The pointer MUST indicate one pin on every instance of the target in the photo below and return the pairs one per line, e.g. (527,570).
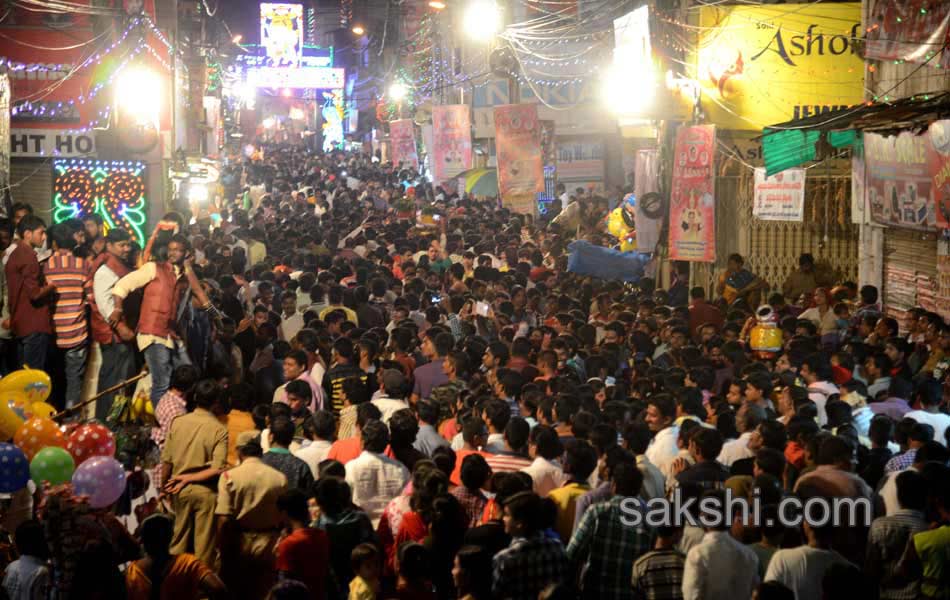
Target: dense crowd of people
(355,402)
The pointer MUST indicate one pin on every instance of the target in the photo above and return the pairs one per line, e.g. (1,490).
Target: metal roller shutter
(33,181)
(910,271)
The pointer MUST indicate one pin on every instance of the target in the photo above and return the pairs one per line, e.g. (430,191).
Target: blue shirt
(428,439)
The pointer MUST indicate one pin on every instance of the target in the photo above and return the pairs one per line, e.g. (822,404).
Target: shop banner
(915,31)
(648,225)
(692,200)
(898,180)
(780,197)
(402,134)
(518,151)
(761,65)
(451,141)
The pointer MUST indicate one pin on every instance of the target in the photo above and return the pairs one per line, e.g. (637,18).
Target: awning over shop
(797,142)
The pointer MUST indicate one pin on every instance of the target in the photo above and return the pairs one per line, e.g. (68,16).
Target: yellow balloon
(42,410)
(10,422)
(34,383)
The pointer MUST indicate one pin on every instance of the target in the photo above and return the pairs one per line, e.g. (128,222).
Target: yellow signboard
(762,65)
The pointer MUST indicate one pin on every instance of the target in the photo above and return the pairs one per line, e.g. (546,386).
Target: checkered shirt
(887,541)
(607,548)
(658,575)
(901,462)
(527,566)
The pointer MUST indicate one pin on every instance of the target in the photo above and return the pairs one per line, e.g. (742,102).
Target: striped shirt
(658,575)
(68,273)
(507,463)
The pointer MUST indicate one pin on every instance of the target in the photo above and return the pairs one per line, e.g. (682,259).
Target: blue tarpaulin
(605,263)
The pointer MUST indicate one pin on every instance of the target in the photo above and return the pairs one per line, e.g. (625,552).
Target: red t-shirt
(456,477)
(305,554)
(345,450)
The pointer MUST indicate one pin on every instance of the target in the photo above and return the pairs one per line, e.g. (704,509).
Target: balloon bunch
(47,453)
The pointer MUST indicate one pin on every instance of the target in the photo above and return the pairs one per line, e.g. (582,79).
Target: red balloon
(90,440)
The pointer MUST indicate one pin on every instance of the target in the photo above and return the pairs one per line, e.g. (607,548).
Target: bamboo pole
(85,403)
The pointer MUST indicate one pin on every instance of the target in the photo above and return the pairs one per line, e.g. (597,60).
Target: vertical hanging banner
(648,223)
(402,133)
(692,200)
(780,197)
(518,151)
(451,141)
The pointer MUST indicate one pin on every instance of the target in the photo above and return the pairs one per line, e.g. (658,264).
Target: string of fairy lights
(33,106)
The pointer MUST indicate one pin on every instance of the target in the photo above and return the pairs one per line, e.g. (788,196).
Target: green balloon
(52,464)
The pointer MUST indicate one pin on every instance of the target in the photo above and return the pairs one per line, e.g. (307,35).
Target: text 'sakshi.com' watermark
(717,512)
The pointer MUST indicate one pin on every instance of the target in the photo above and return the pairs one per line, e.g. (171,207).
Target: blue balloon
(14,469)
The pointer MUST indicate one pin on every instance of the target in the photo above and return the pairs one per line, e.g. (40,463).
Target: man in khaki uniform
(195,453)
(249,521)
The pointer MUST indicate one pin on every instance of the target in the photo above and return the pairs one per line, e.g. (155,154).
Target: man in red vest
(156,333)
(117,354)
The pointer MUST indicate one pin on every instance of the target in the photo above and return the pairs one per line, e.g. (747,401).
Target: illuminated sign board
(311,77)
(306,61)
(282,28)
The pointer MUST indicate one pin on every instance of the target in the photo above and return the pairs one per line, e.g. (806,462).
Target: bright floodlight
(358,30)
(197,193)
(398,91)
(628,90)
(237,39)
(437,4)
(268,122)
(482,19)
(139,93)
(247,93)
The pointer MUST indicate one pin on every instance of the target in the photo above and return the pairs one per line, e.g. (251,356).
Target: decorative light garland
(114,190)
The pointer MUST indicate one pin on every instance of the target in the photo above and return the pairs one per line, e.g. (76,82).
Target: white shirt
(375,479)
(313,455)
(663,449)
(802,569)
(654,483)
(720,568)
(938,421)
(289,326)
(388,406)
(546,475)
(734,450)
(888,492)
(818,393)
(495,443)
(102,283)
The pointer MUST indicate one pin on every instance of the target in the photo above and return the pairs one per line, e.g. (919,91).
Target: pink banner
(402,133)
(518,150)
(451,141)
(692,200)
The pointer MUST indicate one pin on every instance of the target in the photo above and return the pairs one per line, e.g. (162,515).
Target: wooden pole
(85,403)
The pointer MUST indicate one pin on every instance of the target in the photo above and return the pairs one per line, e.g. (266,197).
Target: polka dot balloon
(87,441)
(36,434)
(101,478)
(14,469)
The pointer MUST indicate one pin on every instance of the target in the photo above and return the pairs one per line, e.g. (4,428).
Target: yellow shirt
(350,313)
(566,499)
(361,590)
(932,547)
(137,279)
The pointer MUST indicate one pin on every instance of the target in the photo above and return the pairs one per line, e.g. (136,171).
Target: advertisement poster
(898,180)
(648,225)
(402,134)
(518,151)
(780,197)
(762,65)
(692,199)
(938,149)
(913,30)
(451,141)
(580,160)
(282,33)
